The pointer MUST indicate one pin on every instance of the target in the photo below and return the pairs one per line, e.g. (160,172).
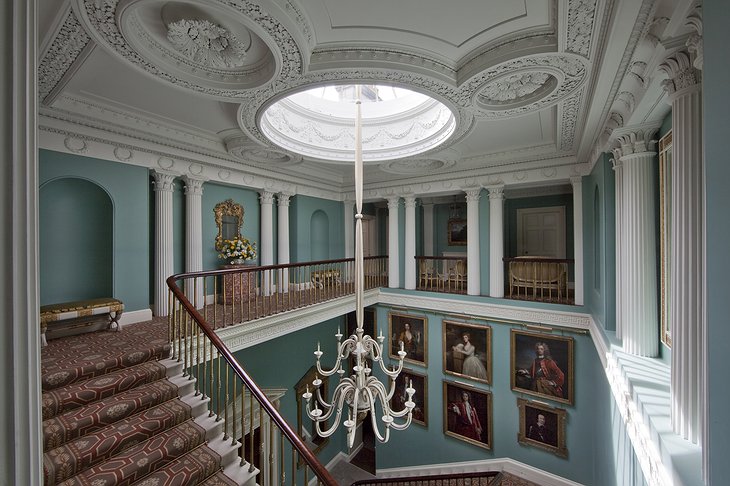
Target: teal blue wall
(76,240)
(215,193)
(281,363)
(600,300)
(300,219)
(441,213)
(407,448)
(716,125)
(128,189)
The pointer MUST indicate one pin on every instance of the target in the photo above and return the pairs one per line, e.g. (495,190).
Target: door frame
(522,212)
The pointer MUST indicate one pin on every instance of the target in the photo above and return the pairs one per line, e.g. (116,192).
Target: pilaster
(410,243)
(496,241)
(283,200)
(393,263)
(473,265)
(194,233)
(577,183)
(164,186)
(621,269)
(266,201)
(427,227)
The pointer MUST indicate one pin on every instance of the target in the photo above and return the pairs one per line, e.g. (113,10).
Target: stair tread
(84,452)
(81,394)
(139,461)
(97,415)
(189,470)
(219,479)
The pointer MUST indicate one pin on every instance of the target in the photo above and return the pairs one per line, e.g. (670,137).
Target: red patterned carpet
(117,412)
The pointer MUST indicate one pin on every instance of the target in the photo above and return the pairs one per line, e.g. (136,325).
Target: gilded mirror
(228,220)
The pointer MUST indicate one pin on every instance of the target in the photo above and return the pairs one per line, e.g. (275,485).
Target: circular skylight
(319,123)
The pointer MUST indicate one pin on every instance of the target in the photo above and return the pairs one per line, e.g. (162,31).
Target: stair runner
(118,411)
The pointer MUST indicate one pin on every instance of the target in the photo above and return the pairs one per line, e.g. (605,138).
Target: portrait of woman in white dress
(466,350)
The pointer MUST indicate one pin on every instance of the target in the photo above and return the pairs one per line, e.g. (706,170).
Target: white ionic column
(194,234)
(410,243)
(266,199)
(639,298)
(164,184)
(283,235)
(473,265)
(577,183)
(686,283)
(620,262)
(427,228)
(349,221)
(393,263)
(496,241)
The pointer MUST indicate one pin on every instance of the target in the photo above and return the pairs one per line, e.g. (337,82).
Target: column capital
(496,192)
(616,160)
(283,199)
(393,202)
(266,197)
(680,71)
(472,193)
(639,141)
(164,181)
(576,180)
(193,185)
(694,43)
(410,200)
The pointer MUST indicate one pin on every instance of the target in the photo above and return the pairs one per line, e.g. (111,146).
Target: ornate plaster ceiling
(534,85)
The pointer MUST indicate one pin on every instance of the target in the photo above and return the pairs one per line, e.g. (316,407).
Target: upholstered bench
(327,277)
(81,311)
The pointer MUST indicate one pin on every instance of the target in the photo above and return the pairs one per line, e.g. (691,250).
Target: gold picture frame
(412,331)
(467,350)
(542,426)
(420,398)
(552,376)
(457,232)
(478,430)
(228,220)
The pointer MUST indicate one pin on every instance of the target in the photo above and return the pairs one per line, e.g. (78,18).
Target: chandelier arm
(322,419)
(340,389)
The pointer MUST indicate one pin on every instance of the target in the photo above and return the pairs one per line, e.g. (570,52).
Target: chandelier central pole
(361,392)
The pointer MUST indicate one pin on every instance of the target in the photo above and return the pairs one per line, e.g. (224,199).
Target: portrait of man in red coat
(545,375)
(467,420)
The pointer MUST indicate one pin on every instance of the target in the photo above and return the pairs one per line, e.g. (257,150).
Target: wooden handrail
(436,477)
(533,259)
(319,470)
(440,258)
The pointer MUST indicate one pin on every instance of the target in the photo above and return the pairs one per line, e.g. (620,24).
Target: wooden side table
(236,287)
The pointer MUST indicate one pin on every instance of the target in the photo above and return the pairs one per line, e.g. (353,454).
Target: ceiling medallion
(516,88)
(207,43)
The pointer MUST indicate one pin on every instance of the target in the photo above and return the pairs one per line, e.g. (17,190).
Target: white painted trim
(134,317)
(507,465)
(560,228)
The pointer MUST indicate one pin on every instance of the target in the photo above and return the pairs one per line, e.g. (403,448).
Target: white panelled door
(541,232)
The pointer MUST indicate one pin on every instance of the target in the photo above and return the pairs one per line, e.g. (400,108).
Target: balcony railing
(441,274)
(236,295)
(539,279)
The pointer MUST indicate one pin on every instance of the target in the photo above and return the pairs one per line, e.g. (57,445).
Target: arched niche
(76,232)
(319,236)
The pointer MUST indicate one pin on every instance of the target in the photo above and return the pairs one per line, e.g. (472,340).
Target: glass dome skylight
(319,123)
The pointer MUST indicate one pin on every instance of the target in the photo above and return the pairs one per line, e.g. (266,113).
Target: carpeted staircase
(118,411)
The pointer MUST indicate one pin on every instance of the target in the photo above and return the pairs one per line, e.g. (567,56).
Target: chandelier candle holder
(361,392)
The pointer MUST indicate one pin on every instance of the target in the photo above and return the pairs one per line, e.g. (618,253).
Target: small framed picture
(409,333)
(542,365)
(419,382)
(467,350)
(468,414)
(542,426)
(457,232)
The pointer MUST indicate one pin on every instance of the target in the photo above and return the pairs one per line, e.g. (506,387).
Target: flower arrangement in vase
(237,251)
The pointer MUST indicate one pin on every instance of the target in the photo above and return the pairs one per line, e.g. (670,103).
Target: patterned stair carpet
(117,411)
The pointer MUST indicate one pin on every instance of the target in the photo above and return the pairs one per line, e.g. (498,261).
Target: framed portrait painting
(419,382)
(542,426)
(409,333)
(468,414)
(467,350)
(457,232)
(542,365)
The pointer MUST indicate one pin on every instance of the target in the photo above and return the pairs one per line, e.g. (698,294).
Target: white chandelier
(361,392)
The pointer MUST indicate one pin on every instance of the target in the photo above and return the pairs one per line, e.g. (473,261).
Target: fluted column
(283,200)
(393,263)
(496,241)
(577,183)
(473,265)
(639,298)
(686,303)
(620,261)
(427,227)
(194,234)
(349,212)
(266,200)
(164,185)
(410,243)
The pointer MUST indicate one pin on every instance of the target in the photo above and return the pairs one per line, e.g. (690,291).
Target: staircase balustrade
(479,478)
(441,274)
(539,279)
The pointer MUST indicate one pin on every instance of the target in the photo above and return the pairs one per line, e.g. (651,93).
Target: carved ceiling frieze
(207,43)
(581,21)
